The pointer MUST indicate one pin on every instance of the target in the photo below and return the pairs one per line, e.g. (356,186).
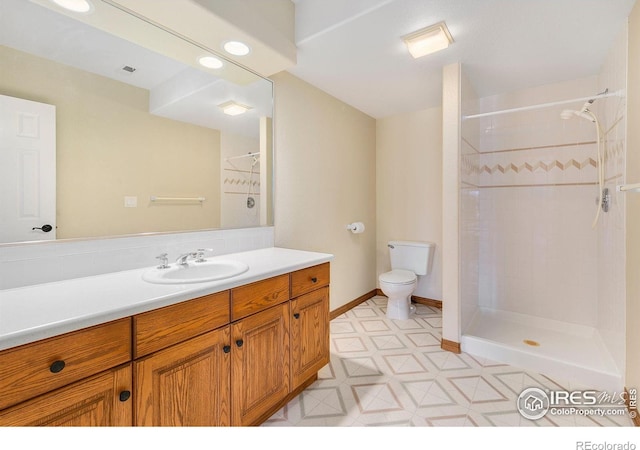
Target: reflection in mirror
(105,135)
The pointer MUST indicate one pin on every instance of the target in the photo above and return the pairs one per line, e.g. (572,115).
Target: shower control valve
(605,200)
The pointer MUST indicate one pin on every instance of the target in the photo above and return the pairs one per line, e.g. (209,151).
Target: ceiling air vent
(129,69)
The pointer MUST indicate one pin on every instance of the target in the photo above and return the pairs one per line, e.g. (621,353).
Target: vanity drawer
(161,328)
(255,297)
(33,369)
(307,280)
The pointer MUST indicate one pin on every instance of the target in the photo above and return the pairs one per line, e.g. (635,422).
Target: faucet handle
(163,257)
(200,254)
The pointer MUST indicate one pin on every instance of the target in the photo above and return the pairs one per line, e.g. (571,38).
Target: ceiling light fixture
(428,40)
(236,48)
(232,108)
(79,6)
(211,62)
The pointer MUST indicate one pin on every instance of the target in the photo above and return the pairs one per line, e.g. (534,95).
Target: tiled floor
(393,373)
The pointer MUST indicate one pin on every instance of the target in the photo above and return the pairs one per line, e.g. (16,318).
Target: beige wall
(109,147)
(632,378)
(409,188)
(324,180)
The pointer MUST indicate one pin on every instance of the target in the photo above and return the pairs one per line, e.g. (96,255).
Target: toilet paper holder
(356,227)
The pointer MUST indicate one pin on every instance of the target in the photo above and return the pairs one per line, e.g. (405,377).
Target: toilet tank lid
(413,243)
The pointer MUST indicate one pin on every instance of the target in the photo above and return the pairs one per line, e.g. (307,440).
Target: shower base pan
(564,351)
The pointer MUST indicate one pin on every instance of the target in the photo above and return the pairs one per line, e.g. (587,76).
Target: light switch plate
(130,202)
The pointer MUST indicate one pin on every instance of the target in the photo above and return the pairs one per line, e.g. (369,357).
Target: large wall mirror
(110,125)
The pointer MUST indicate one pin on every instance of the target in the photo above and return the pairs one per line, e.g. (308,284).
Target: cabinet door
(185,385)
(309,335)
(101,400)
(260,369)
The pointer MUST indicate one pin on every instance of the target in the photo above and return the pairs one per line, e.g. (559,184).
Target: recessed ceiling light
(428,40)
(236,48)
(80,6)
(232,108)
(211,62)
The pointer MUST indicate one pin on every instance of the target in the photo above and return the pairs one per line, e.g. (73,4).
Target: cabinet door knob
(125,395)
(57,366)
(314,280)
(296,315)
(226,348)
(239,342)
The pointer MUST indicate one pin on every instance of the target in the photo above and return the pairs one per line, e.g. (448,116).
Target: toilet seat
(398,276)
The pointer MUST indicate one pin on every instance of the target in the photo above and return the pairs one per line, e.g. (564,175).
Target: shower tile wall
(535,175)
(611,243)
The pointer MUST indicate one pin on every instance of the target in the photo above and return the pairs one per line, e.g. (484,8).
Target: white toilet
(408,260)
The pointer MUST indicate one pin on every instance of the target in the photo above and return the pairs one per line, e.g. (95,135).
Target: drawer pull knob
(57,366)
(125,395)
(239,342)
(296,315)
(314,280)
(226,348)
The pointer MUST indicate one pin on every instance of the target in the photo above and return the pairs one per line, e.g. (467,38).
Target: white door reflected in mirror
(27,170)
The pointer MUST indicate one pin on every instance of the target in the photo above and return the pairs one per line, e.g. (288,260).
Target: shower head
(584,113)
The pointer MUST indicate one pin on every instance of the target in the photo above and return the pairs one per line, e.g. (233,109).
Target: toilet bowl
(398,285)
(409,259)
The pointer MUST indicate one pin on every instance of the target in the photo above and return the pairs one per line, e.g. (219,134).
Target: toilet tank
(412,255)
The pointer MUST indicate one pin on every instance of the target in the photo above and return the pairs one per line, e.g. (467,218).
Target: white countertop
(31,313)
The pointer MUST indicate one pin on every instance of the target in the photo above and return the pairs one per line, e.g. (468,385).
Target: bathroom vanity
(116,350)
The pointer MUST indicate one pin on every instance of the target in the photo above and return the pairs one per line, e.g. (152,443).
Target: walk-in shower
(541,278)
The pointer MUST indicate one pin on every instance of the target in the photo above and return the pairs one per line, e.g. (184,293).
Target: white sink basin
(195,272)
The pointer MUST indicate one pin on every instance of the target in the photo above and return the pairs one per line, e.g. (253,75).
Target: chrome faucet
(200,254)
(197,255)
(182,259)
(164,261)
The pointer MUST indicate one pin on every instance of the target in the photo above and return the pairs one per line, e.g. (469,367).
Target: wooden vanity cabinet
(187,384)
(183,363)
(260,376)
(310,322)
(309,335)
(69,379)
(230,358)
(100,400)
(39,367)
(309,279)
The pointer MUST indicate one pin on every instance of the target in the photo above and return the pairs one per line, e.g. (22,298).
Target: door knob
(46,228)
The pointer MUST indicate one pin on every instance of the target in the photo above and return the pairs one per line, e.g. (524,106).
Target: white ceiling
(353,49)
